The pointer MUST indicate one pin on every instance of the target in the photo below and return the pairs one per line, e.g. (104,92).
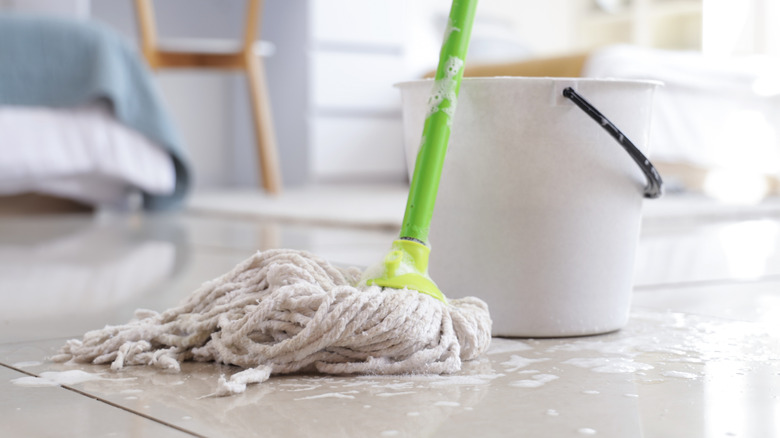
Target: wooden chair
(246,57)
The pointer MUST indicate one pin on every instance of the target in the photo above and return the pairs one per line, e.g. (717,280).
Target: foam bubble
(538,380)
(609,364)
(516,362)
(32,363)
(447,403)
(680,374)
(57,378)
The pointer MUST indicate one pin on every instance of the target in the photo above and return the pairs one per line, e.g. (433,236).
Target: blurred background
(330,66)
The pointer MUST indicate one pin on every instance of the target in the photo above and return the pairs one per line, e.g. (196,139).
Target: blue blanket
(60,63)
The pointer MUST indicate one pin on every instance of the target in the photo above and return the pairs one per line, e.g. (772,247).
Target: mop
(287,311)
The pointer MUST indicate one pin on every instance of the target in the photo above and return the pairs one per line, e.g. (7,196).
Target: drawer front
(356,81)
(357,148)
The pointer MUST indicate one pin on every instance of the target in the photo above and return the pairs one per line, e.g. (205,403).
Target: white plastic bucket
(538,210)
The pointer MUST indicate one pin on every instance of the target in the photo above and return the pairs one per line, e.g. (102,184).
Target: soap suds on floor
(397,385)
(586,431)
(447,403)
(609,364)
(476,379)
(301,387)
(680,374)
(422,381)
(538,380)
(33,382)
(131,391)
(516,362)
(687,360)
(330,395)
(358,382)
(393,394)
(28,364)
(58,378)
(499,346)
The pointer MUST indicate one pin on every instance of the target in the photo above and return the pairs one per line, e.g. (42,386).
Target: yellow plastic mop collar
(406,267)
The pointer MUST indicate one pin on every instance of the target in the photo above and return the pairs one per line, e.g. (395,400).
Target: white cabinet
(355,56)
(337,114)
(354,82)
(356,148)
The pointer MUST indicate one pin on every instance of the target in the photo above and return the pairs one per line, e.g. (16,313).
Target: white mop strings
(283,311)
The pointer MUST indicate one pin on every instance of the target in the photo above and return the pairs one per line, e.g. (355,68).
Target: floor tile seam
(707,283)
(708,316)
(704,217)
(63,339)
(287,219)
(108,402)
(225,249)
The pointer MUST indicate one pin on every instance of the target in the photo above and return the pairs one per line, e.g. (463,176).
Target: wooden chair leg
(264,129)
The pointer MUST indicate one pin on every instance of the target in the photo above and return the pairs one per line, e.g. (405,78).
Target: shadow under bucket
(539,208)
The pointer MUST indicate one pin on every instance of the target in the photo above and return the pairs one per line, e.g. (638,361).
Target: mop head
(286,311)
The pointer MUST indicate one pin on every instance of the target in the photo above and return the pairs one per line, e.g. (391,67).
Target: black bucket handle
(655,185)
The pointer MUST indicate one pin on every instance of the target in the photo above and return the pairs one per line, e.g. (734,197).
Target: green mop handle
(436,132)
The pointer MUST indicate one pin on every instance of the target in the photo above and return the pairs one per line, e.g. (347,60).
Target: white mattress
(80,153)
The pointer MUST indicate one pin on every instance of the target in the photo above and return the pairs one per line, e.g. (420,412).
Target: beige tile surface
(64,276)
(687,250)
(70,307)
(699,358)
(364,205)
(55,411)
(750,301)
(666,374)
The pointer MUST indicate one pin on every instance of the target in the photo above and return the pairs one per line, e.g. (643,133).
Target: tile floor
(700,356)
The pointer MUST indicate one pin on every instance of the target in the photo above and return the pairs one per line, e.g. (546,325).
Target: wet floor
(699,356)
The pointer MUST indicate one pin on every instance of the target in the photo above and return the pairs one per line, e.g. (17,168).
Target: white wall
(747,26)
(503,30)
(71,8)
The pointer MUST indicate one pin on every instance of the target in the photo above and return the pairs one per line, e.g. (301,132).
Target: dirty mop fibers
(282,311)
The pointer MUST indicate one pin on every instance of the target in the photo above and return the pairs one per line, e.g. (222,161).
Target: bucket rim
(553,79)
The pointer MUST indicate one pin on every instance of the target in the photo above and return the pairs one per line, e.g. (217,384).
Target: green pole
(436,132)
